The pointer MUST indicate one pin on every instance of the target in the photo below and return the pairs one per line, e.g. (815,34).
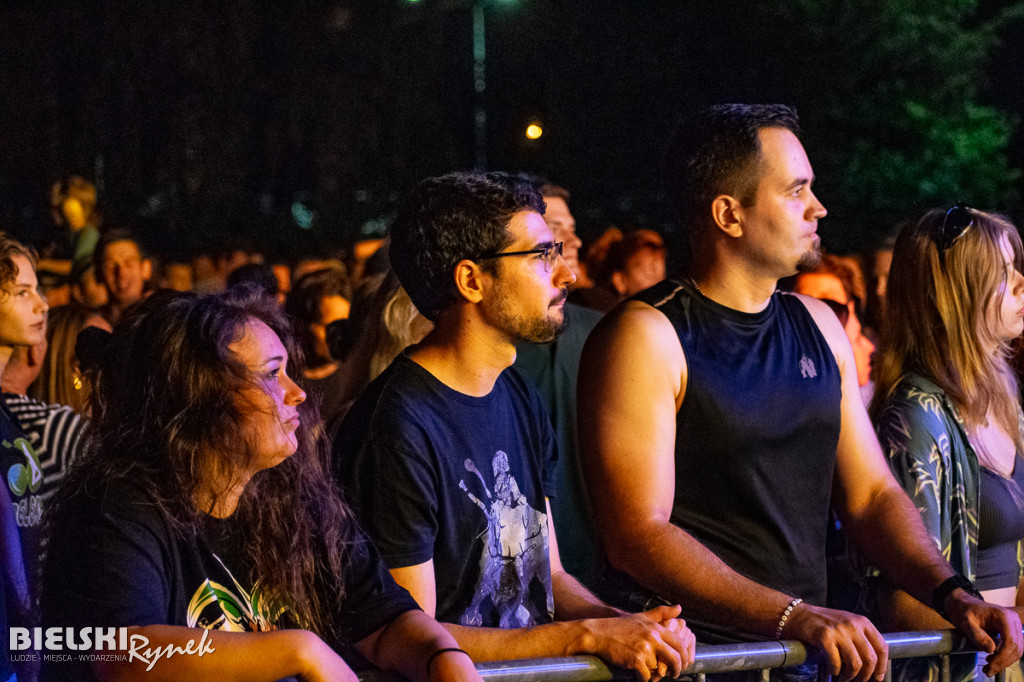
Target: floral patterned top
(925,440)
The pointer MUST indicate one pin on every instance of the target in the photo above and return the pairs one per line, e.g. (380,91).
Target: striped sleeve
(56,433)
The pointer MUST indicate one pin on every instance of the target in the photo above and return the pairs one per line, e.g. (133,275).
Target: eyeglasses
(548,254)
(957,222)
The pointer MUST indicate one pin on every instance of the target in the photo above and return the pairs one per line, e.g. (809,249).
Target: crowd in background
(345,317)
(89,275)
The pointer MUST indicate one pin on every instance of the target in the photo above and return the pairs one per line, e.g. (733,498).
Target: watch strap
(947,587)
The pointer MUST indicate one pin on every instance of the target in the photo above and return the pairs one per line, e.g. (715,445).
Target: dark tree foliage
(197,118)
(902,123)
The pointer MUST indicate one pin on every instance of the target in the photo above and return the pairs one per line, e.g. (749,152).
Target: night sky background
(198,119)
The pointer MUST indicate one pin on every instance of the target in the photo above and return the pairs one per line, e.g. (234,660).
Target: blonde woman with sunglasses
(946,408)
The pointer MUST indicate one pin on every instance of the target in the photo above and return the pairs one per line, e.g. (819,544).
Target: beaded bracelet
(785,617)
(444,651)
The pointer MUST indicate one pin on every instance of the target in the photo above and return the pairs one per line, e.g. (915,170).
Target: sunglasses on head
(957,222)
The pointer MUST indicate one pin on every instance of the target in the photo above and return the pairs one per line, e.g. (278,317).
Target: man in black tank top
(719,420)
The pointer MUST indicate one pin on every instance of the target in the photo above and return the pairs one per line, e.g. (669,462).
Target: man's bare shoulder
(636,342)
(633,319)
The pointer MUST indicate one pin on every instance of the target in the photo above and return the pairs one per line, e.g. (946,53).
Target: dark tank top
(756,439)
(1000,528)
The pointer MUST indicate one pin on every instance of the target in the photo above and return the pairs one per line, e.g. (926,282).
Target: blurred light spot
(375,227)
(533,131)
(339,19)
(302,216)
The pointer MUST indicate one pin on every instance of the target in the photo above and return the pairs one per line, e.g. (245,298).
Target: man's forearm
(641,641)
(669,561)
(890,534)
(574,601)
(407,643)
(495,644)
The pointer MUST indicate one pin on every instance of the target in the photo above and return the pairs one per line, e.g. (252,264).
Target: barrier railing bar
(709,659)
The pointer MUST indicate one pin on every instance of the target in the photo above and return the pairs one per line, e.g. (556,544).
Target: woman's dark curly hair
(167,419)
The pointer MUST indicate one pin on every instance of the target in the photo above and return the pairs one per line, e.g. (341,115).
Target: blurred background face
(827,287)
(863,348)
(644,269)
(821,285)
(178,276)
(284,281)
(563,229)
(124,272)
(332,309)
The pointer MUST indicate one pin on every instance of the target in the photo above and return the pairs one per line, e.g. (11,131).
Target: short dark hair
(717,151)
(259,274)
(452,218)
(303,302)
(550,189)
(119,234)
(8,249)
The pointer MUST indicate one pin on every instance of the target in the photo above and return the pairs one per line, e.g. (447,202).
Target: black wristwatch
(943,591)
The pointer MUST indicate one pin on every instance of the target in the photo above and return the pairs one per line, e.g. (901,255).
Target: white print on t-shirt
(515,551)
(807,370)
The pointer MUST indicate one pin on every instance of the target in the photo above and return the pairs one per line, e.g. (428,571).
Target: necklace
(697,287)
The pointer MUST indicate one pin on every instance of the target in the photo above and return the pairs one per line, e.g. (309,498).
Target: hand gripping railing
(762,656)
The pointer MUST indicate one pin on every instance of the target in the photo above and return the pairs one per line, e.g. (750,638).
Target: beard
(811,258)
(541,331)
(532,329)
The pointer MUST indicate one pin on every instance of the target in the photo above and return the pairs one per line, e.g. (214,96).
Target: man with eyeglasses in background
(448,458)
(552,369)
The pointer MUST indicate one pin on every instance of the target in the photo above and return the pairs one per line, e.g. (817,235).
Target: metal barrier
(762,656)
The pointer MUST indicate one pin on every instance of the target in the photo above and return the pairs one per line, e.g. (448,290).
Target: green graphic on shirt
(216,607)
(27,476)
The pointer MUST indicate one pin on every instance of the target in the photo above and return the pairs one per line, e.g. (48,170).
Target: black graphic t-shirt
(27,487)
(15,590)
(437,474)
(115,561)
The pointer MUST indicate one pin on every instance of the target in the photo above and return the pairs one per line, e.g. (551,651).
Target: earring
(77,383)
